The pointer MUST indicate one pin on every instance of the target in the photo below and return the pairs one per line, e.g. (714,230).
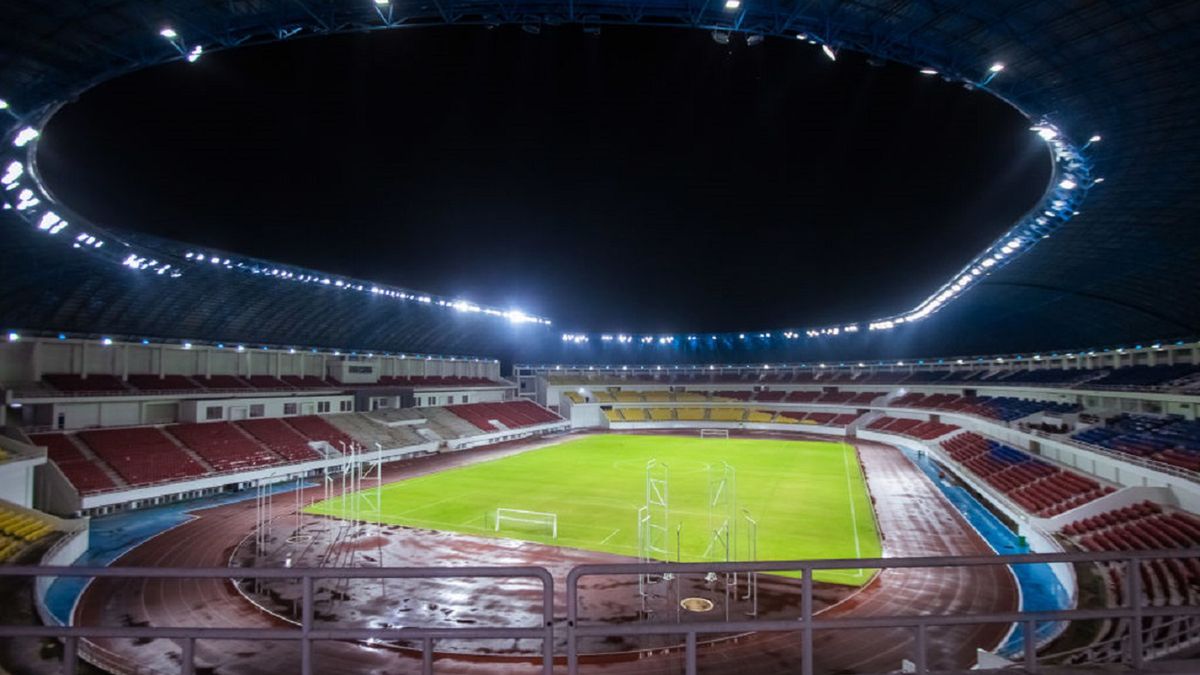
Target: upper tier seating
(1171,439)
(1038,486)
(307,382)
(141,455)
(282,439)
(802,396)
(223,445)
(1003,408)
(1044,376)
(1145,376)
(510,414)
(164,383)
(435,381)
(223,382)
(267,382)
(925,430)
(68,382)
(733,395)
(85,474)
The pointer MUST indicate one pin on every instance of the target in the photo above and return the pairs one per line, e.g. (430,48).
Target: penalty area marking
(853,512)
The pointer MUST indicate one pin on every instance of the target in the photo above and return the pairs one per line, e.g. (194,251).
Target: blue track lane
(1040,588)
(112,536)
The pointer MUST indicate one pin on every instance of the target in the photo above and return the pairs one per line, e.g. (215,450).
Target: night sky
(643,180)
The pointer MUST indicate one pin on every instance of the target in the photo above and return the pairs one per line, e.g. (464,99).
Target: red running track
(913,516)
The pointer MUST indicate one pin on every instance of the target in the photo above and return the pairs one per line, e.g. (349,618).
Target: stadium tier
(1039,487)
(281,438)
(223,445)
(1171,440)
(507,415)
(141,456)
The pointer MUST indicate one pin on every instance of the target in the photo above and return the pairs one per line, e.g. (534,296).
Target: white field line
(853,513)
(605,540)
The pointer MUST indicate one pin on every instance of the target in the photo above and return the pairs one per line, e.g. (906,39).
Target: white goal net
(527,520)
(714,433)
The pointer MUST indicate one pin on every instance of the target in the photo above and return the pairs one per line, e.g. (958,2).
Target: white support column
(124,362)
(208,352)
(162,361)
(246,361)
(35,360)
(82,359)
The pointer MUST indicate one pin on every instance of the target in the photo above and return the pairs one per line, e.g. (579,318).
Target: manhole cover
(696,604)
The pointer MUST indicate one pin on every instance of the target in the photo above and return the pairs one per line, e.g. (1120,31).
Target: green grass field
(808,497)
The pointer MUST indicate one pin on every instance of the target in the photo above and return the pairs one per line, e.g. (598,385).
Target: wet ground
(913,516)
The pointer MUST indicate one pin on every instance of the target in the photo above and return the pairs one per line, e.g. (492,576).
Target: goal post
(523,517)
(714,433)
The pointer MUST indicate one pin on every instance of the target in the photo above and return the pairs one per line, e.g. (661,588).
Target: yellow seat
(691,414)
(628,397)
(657,396)
(634,414)
(728,414)
(759,416)
(662,414)
(575,398)
(614,415)
(603,397)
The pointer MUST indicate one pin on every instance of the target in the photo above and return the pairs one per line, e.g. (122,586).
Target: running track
(913,516)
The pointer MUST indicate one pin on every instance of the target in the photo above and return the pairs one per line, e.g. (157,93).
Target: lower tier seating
(510,414)
(1037,486)
(282,439)
(85,474)
(224,446)
(141,455)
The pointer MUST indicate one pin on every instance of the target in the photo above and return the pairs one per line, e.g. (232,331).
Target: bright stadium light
(107,342)
(733,4)
(1067,184)
(996,67)
(24,136)
(14,336)
(3,104)
(1094,139)
(829,52)
(194,55)
(383,3)
(168,33)
(928,71)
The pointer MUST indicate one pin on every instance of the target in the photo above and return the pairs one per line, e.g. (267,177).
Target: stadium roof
(1123,269)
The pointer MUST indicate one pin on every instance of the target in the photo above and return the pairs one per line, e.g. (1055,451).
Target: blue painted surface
(112,536)
(1040,588)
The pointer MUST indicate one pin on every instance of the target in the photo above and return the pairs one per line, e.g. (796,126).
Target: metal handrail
(807,623)
(305,633)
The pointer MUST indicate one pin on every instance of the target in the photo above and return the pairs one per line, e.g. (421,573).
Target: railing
(306,633)
(807,624)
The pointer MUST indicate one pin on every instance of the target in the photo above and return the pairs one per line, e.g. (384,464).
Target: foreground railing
(806,625)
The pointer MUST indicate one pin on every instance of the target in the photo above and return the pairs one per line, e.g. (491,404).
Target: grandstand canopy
(1123,269)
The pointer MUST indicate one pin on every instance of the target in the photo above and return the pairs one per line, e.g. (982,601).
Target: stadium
(760,337)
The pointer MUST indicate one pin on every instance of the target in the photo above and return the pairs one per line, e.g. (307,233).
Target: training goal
(526,520)
(714,433)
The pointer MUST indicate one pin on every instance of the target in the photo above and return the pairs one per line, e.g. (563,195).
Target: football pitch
(808,497)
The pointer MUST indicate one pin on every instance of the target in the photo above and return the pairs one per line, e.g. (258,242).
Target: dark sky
(643,180)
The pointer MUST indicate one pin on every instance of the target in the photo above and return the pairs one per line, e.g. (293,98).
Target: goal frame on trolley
(528,517)
(714,433)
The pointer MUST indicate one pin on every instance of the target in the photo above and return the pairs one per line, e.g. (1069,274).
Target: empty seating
(224,382)
(223,446)
(1037,486)
(85,474)
(164,383)
(1145,376)
(282,439)
(267,382)
(509,414)
(315,428)
(307,381)
(1171,440)
(71,383)
(18,529)
(141,455)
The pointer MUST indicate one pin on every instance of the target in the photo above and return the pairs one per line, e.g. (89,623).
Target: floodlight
(1098,180)
(3,104)
(996,67)
(24,136)
(1067,184)
(14,336)
(168,33)
(733,4)
(829,52)
(107,342)
(1094,139)
(928,71)
(195,54)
